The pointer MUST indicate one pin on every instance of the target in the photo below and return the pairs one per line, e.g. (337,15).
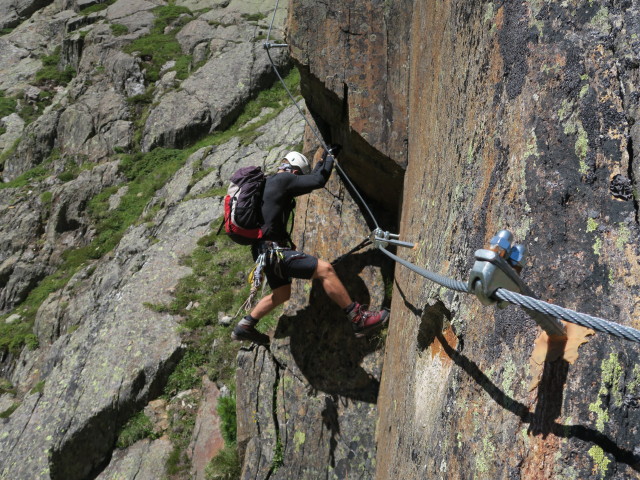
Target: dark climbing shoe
(250,334)
(365,322)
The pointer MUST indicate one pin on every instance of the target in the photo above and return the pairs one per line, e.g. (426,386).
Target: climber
(295,178)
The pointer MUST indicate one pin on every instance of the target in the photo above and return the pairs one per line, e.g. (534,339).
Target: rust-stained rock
(353,58)
(520,117)
(207,438)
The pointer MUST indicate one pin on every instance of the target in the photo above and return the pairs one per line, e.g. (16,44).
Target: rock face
(13,11)
(519,116)
(355,73)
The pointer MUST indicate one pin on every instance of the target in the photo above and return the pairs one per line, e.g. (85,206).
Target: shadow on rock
(544,420)
(322,342)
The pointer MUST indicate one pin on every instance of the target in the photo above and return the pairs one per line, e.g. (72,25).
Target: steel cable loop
(434,277)
(595,323)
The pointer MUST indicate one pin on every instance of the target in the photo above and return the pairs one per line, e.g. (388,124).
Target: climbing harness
(271,255)
(494,277)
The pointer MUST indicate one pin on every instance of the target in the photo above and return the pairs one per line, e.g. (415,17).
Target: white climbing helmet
(298,160)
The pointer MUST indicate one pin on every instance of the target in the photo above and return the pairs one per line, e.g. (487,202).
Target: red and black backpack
(243,206)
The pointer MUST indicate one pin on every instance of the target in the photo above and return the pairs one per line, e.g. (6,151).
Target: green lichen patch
(623,237)
(298,440)
(611,375)
(592,225)
(597,246)
(600,460)
(582,143)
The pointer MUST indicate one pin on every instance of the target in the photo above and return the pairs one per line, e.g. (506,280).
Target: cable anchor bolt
(268,45)
(499,267)
(383,239)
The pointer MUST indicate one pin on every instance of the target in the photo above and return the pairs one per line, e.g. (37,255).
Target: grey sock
(248,321)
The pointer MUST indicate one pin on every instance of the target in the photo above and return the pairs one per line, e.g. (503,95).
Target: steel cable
(582,319)
(434,277)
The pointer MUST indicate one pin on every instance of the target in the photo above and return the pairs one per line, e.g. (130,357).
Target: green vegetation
(50,74)
(183,422)
(6,387)
(254,17)
(36,174)
(7,413)
(218,281)
(7,105)
(227,411)
(138,427)
(38,387)
(278,455)
(225,465)
(97,7)
(158,47)
(118,29)
(145,173)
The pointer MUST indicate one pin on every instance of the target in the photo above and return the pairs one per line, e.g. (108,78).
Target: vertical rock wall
(520,116)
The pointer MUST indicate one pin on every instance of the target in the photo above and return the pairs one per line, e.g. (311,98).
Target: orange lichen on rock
(438,349)
(550,348)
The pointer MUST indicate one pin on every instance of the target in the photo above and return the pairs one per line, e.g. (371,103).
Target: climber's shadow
(543,421)
(322,342)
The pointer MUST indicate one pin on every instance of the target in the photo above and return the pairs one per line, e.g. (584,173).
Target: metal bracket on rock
(268,45)
(491,272)
(383,239)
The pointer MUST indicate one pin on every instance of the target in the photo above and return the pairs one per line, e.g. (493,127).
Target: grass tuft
(138,427)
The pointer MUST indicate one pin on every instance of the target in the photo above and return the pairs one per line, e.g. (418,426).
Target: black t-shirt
(279,192)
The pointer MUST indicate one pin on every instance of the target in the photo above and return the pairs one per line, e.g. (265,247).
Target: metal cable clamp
(495,268)
(268,45)
(382,239)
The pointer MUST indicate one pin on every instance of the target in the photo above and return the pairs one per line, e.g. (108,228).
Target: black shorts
(294,265)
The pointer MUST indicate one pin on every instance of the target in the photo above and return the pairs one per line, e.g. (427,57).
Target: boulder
(194,33)
(238,68)
(144,459)
(136,15)
(12,12)
(179,119)
(21,225)
(95,124)
(13,125)
(36,144)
